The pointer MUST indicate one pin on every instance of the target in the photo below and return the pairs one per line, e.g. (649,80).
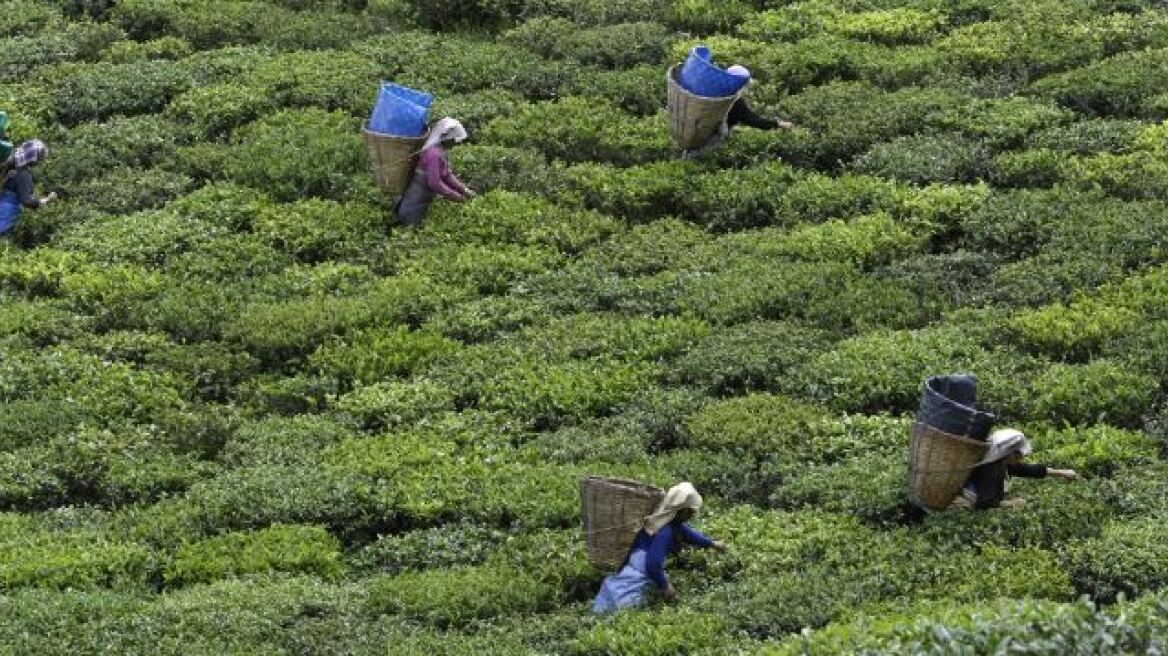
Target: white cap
(738,71)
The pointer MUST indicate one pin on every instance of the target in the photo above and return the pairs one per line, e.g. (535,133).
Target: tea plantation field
(240,412)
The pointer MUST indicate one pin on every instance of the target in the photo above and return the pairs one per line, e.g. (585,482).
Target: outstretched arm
(695,537)
(1026,470)
(742,114)
(452,180)
(431,164)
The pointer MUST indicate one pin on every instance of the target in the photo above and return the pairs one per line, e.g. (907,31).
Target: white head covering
(1005,442)
(739,71)
(682,495)
(447,128)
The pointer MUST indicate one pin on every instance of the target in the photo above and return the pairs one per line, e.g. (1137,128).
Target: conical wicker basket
(613,510)
(393,159)
(693,119)
(938,465)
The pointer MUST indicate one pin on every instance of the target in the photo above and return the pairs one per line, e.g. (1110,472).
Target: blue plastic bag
(400,111)
(700,76)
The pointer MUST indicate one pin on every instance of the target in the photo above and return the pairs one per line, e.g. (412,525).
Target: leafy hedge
(241,409)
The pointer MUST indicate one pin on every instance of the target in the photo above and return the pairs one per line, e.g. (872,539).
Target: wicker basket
(393,159)
(613,510)
(693,119)
(938,465)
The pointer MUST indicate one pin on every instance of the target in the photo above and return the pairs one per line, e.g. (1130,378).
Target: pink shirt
(439,177)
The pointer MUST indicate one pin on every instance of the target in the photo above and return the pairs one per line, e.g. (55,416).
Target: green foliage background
(240,412)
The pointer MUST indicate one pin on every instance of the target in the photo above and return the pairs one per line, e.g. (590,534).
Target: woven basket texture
(393,159)
(612,510)
(938,465)
(693,119)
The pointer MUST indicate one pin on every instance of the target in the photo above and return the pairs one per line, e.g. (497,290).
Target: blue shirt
(665,542)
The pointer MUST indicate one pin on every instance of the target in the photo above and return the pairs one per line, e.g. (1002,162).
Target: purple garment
(431,177)
(439,177)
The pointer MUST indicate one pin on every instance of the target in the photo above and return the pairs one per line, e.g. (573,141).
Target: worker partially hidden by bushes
(433,175)
(740,114)
(663,533)
(18,183)
(986,485)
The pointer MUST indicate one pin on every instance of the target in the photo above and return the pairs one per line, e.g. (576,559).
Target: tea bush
(32,20)
(1085,137)
(634,90)
(372,355)
(923,159)
(276,331)
(844,134)
(577,129)
(1114,87)
(662,633)
(603,12)
(1029,168)
(121,190)
(870,487)
(1094,392)
(866,241)
(393,403)
(1039,626)
(455,597)
(318,230)
(326,79)
(92,149)
(101,90)
(1099,450)
(750,356)
(278,548)
(318,163)
(241,409)
(758,424)
(641,193)
(214,111)
(450,545)
(475,109)
(848,378)
(1126,559)
(502,217)
(167,47)
(608,46)
(38,555)
(210,24)
(23,55)
(1074,332)
(145,238)
(545,393)
(482,319)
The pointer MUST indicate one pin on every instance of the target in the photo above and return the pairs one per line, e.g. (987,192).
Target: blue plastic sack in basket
(400,111)
(700,76)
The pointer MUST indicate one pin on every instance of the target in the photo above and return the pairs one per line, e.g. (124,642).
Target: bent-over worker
(433,176)
(18,185)
(663,533)
(986,485)
(740,114)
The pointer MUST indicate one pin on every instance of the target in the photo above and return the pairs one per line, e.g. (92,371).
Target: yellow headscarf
(682,495)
